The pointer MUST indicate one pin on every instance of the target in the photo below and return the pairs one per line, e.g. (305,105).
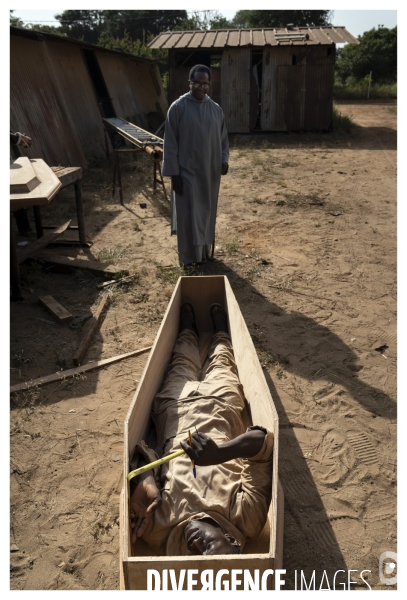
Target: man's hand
(25,141)
(144,501)
(177,184)
(225,168)
(204,450)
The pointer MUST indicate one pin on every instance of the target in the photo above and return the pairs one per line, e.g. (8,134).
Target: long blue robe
(195,147)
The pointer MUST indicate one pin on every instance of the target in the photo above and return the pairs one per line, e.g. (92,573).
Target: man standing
(196,154)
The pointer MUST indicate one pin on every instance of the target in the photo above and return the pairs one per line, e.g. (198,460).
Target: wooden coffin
(38,195)
(263,553)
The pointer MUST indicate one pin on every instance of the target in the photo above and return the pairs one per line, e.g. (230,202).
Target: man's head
(206,537)
(199,81)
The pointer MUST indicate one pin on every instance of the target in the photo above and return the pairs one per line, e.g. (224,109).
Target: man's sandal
(219,317)
(183,312)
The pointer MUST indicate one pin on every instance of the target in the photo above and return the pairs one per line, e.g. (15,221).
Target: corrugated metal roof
(221,38)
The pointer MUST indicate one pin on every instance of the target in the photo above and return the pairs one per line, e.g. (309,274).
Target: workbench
(52,179)
(143,141)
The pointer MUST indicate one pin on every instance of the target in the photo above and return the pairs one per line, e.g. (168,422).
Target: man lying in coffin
(171,510)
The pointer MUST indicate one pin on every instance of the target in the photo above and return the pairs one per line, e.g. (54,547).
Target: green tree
(281,18)
(218,21)
(46,29)
(241,19)
(86,25)
(15,21)
(204,19)
(136,47)
(89,25)
(377,52)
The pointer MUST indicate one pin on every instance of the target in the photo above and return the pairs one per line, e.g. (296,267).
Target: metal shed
(61,88)
(264,79)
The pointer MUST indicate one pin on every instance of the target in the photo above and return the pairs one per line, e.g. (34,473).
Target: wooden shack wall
(297,88)
(76,90)
(135,89)
(53,100)
(235,86)
(38,107)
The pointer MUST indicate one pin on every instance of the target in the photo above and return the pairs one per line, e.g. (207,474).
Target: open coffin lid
(263,553)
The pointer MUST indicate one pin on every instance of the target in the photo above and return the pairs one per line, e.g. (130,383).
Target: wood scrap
(33,248)
(117,281)
(90,265)
(88,331)
(60,375)
(56,309)
(53,227)
(69,243)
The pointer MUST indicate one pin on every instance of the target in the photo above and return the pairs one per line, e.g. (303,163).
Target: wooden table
(41,195)
(69,176)
(52,179)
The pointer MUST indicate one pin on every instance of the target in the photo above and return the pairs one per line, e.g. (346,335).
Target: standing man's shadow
(312,352)
(303,346)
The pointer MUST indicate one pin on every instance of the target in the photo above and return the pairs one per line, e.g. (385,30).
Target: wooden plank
(60,375)
(117,281)
(53,227)
(137,568)
(67,175)
(90,265)
(88,330)
(43,193)
(122,584)
(34,247)
(278,561)
(22,176)
(56,309)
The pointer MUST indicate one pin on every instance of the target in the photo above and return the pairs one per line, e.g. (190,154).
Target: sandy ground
(306,234)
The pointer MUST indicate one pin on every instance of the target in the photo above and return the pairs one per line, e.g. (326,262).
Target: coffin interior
(201,292)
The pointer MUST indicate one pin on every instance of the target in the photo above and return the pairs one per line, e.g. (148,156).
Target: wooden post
(38,221)
(370,81)
(79,212)
(119,179)
(14,269)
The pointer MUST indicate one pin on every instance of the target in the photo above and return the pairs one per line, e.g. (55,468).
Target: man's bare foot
(187,318)
(219,317)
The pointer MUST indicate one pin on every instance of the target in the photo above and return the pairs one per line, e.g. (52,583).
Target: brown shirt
(236,494)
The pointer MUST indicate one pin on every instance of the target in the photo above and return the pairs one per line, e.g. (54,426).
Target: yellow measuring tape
(154,464)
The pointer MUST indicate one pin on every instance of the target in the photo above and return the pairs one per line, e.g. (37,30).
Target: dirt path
(306,234)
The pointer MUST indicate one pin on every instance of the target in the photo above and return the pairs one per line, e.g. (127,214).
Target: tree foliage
(127,44)
(15,21)
(281,18)
(377,52)
(89,25)
(86,25)
(204,19)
